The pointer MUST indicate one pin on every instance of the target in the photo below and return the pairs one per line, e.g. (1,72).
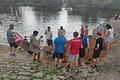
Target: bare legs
(58,62)
(12,50)
(36,55)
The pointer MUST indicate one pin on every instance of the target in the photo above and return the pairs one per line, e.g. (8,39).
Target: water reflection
(63,18)
(33,18)
(29,19)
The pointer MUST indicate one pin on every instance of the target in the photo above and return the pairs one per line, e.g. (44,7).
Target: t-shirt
(84,41)
(92,43)
(60,42)
(75,44)
(111,33)
(33,40)
(86,31)
(34,44)
(10,36)
(48,35)
(100,42)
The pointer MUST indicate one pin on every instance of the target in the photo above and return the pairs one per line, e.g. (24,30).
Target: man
(63,30)
(74,46)
(97,49)
(11,40)
(49,36)
(35,48)
(60,43)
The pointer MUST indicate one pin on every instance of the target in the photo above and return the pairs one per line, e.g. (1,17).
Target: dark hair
(90,36)
(61,27)
(48,27)
(11,26)
(75,34)
(108,26)
(35,32)
(99,34)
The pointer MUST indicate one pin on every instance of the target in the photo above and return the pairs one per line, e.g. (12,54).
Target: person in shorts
(11,40)
(74,46)
(84,50)
(59,43)
(34,46)
(97,49)
(62,30)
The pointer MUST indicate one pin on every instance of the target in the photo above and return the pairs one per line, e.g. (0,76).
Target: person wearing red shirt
(82,31)
(74,46)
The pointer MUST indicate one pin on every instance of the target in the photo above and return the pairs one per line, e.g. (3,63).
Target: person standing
(74,46)
(11,40)
(97,49)
(49,35)
(59,43)
(82,31)
(86,31)
(34,46)
(84,50)
(109,36)
(63,30)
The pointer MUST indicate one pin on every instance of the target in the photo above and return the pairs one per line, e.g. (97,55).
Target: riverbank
(22,67)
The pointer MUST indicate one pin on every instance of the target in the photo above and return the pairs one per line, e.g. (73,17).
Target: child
(74,46)
(97,49)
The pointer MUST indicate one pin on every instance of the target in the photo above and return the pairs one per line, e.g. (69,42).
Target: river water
(27,19)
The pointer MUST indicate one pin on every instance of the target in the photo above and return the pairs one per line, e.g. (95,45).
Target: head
(41,36)
(99,34)
(25,37)
(90,36)
(11,26)
(75,34)
(108,26)
(82,26)
(86,27)
(61,27)
(60,33)
(49,28)
(35,33)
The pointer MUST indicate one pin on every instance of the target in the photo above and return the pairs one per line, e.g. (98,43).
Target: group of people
(80,48)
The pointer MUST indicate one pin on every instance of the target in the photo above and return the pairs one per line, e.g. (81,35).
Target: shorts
(96,53)
(50,42)
(59,55)
(73,57)
(82,52)
(13,45)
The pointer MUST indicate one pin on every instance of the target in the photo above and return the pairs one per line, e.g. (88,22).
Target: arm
(45,32)
(97,46)
(88,42)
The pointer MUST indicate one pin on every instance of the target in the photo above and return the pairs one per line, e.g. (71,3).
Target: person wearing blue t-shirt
(59,43)
(83,49)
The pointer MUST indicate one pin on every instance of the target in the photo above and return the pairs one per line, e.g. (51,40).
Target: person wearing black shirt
(97,49)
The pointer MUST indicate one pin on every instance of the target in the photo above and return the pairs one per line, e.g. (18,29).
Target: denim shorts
(73,57)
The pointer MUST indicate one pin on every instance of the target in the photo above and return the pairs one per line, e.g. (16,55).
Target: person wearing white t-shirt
(109,36)
(49,36)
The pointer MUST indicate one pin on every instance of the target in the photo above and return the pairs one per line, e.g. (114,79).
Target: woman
(109,37)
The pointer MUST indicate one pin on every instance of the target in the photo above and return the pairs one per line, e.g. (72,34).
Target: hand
(96,48)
